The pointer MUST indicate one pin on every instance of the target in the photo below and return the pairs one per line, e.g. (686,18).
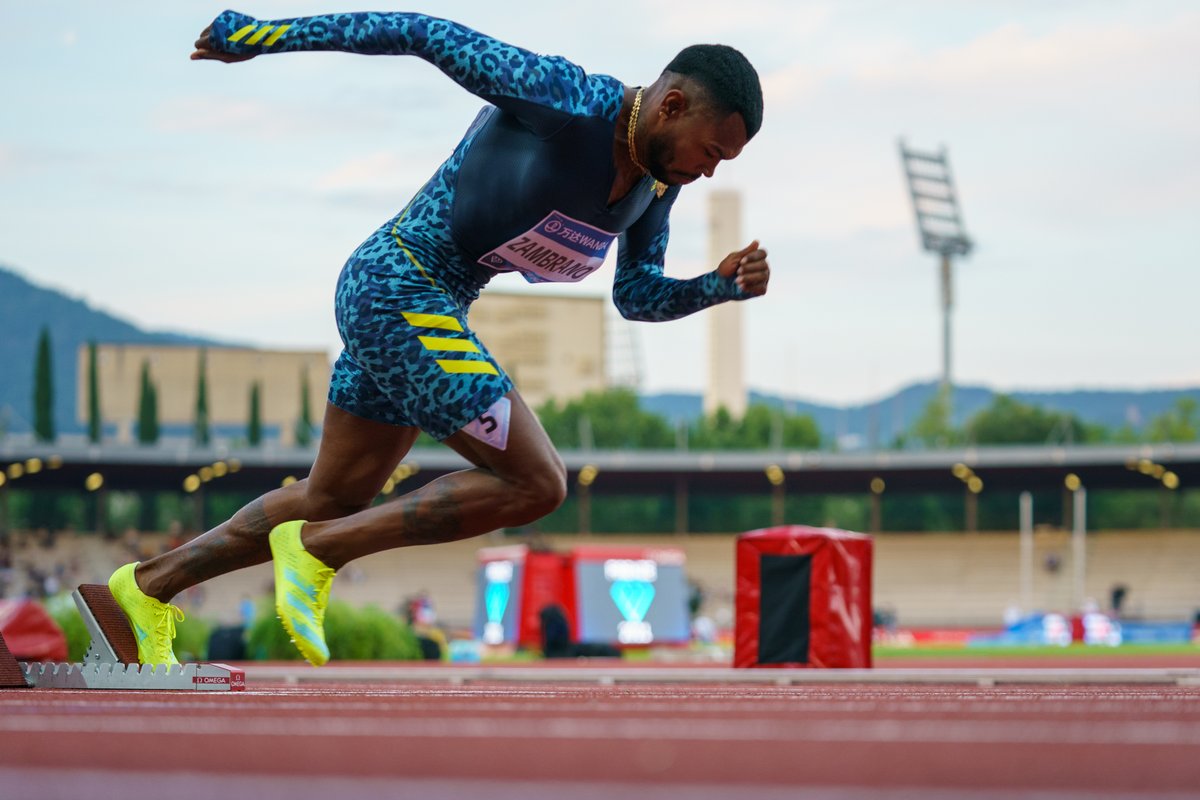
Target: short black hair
(729,78)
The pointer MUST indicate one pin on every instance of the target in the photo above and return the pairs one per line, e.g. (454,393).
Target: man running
(558,165)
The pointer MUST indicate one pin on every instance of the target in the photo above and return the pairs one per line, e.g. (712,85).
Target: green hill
(877,424)
(24,309)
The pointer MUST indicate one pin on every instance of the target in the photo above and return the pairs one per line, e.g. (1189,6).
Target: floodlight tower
(939,222)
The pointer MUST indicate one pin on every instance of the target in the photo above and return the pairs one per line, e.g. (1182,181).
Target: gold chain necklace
(660,188)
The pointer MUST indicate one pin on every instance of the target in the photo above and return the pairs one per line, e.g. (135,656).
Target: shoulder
(588,95)
(605,96)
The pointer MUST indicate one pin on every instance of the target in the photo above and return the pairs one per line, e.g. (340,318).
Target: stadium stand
(926,579)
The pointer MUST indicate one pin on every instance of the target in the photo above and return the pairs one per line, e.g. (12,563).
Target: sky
(222,200)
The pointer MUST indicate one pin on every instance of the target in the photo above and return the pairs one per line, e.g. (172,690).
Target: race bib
(558,249)
(492,426)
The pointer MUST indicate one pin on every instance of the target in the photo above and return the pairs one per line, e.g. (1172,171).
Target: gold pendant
(660,188)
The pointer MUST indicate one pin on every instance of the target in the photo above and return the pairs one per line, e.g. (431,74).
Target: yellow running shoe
(153,621)
(302,584)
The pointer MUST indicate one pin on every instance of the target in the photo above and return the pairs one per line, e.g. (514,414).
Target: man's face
(689,141)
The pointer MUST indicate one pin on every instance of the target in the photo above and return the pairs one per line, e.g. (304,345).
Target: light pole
(939,221)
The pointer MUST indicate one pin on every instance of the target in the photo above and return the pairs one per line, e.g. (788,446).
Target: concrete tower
(726,379)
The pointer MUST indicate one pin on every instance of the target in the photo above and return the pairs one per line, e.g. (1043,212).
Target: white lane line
(44,783)
(1044,732)
(1189,709)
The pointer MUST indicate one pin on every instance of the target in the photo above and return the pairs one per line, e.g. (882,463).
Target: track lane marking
(908,732)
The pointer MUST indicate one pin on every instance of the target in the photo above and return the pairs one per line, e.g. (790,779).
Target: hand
(205,51)
(749,269)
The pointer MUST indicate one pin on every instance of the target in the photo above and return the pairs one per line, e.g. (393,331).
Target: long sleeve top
(527,187)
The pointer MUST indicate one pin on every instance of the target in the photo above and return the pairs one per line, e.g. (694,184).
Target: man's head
(707,105)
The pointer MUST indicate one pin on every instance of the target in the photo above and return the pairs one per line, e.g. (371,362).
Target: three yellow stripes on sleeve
(262,32)
(449,344)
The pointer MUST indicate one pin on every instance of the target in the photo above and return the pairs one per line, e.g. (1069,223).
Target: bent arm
(493,70)
(642,292)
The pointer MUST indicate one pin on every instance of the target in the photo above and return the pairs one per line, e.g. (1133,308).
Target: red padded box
(803,598)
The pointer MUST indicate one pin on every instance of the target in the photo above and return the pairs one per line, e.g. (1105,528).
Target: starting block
(111,661)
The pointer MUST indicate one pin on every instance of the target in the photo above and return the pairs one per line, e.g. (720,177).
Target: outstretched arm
(500,73)
(642,292)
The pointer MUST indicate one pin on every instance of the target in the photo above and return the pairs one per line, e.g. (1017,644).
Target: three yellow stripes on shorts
(443,344)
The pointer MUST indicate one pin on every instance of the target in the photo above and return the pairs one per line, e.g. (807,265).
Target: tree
(147,428)
(933,427)
(43,390)
(93,396)
(717,431)
(254,425)
(304,427)
(1009,421)
(766,428)
(614,418)
(762,428)
(1179,424)
(200,430)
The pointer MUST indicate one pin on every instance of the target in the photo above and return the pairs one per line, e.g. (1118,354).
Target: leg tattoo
(240,542)
(431,517)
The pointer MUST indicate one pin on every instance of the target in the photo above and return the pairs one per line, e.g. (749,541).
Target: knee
(544,489)
(320,503)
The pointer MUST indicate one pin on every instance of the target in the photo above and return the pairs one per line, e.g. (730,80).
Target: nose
(710,168)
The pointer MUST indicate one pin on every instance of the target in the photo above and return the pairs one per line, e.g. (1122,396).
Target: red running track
(500,740)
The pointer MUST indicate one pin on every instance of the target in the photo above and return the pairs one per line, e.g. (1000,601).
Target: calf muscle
(241,542)
(455,506)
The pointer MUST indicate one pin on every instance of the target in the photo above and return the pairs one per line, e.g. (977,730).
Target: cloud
(333,113)
(21,159)
(1041,66)
(373,171)
(708,17)
(792,83)
(1097,115)
(242,117)
(381,178)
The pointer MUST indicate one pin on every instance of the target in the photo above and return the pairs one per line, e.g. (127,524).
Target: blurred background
(978,346)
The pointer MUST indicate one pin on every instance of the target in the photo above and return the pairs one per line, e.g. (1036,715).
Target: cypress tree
(93,389)
(43,390)
(147,431)
(153,392)
(304,428)
(254,426)
(201,431)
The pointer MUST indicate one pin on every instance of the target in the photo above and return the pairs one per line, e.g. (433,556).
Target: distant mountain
(24,309)
(879,423)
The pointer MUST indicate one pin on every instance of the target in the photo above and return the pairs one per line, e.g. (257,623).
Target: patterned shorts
(409,357)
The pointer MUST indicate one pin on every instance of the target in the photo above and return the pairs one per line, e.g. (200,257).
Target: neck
(631,131)
(635,165)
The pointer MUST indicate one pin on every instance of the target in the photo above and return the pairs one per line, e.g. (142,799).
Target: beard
(660,153)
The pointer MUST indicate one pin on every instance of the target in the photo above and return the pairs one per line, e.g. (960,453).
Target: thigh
(507,439)
(410,358)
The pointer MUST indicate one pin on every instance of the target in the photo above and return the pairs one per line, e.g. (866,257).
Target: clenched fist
(749,269)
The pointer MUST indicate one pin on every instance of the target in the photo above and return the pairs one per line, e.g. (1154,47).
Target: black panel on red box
(784,624)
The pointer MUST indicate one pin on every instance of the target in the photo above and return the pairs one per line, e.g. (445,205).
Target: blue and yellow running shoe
(301,591)
(153,621)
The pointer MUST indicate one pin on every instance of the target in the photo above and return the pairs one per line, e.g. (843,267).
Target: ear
(674,104)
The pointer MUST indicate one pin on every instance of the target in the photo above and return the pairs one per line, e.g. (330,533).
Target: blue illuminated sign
(498,590)
(632,590)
